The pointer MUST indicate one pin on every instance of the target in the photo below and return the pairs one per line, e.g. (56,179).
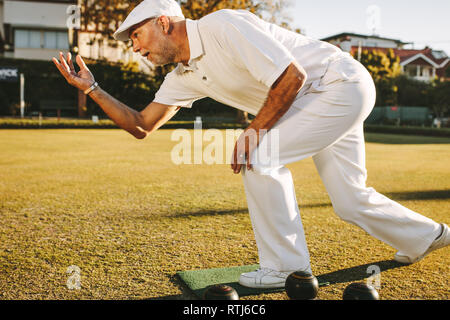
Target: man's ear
(164,22)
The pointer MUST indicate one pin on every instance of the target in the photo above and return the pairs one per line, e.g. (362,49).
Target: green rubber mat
(199,280)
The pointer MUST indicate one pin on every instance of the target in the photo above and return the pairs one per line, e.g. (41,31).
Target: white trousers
(327,124)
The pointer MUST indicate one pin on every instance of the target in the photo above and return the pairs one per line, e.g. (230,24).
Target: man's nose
(135,47)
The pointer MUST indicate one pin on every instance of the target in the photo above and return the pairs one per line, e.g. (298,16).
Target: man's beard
(168,56)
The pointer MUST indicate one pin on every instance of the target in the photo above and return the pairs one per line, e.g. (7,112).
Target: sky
(421,22)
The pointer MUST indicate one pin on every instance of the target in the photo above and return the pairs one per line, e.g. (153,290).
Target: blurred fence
(411,115)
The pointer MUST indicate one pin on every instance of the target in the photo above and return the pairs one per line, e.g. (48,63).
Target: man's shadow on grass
(405,195)
(358,273)
(205,212)
(420,195)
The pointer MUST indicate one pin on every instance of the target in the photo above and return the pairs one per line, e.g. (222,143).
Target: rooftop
(349,34)
(439,57)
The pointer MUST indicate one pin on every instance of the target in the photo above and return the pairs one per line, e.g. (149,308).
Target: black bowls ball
(220,292)
(360,291)
(301,285)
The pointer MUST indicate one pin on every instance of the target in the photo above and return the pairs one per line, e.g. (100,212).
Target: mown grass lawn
(120,210)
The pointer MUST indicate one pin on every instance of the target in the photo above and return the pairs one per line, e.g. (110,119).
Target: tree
(412,92)
(447,71)
(440,98)
(384,68)
(270,10)
(103,17)
(380,64)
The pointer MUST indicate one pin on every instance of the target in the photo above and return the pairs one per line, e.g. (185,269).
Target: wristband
(91,88)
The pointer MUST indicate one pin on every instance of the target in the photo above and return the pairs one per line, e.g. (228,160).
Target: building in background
(348,40)
(33,29)
(38,30)
(425,64)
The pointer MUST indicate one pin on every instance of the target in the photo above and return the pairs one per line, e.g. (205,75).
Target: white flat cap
(145,10)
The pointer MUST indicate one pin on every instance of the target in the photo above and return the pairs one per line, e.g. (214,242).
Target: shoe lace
(266,271)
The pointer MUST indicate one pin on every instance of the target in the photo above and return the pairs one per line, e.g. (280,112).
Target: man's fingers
(63,70)
(239,161)
(81,63)
(249,165)
(247,152)
(234,158)
(63,62)
(60,68)
(235,165)
(70,62)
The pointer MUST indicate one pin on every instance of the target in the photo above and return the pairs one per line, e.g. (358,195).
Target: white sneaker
(264,278)
(442,241)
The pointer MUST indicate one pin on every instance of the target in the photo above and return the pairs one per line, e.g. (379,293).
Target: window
(41,39)
(411,70)
(35,39)
(50,40)
(62,40)
(21,38)
(438,54)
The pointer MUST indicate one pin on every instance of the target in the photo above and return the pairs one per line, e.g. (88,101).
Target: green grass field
(129,218)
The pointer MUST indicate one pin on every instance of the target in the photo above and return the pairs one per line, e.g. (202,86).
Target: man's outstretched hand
(81,80)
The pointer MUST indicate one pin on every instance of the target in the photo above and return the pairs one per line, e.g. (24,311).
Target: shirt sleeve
(251,45)
(175,90)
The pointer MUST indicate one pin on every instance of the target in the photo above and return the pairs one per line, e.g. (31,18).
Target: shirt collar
(195,45)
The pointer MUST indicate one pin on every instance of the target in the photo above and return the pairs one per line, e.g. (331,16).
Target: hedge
(225,123)
(10,123)
(15,123)
(41,82)
(420,131)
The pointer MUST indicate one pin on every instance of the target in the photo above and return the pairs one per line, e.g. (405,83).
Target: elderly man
(306,94)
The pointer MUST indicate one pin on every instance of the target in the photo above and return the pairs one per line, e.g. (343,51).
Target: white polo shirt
(235,57)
